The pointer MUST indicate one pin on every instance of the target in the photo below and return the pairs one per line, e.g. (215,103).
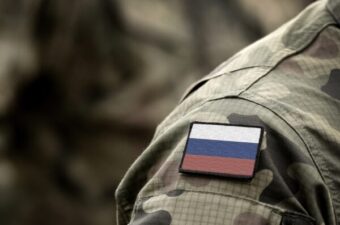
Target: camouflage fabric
(288,83)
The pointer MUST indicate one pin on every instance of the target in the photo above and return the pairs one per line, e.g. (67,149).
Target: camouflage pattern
(288,82)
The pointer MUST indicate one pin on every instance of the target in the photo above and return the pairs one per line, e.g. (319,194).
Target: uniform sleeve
(281,191)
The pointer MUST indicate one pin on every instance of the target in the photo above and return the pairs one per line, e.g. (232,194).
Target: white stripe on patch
(225,133)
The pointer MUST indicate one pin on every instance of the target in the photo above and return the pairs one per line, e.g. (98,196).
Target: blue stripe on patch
(241,150)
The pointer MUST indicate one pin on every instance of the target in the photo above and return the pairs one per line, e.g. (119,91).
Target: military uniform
(289,84)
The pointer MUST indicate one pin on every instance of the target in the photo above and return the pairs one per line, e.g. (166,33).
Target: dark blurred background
(84,83)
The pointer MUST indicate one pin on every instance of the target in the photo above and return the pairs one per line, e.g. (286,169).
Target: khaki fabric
(288,83)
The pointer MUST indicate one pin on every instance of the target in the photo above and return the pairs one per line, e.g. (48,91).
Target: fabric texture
(289,84)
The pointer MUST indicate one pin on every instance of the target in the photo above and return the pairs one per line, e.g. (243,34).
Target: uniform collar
(334,8)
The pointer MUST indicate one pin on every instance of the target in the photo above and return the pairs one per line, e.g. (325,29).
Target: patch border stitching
(222,175)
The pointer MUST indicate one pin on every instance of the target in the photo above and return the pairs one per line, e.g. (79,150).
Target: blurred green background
(84,83)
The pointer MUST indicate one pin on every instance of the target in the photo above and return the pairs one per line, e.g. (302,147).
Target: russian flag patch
(221,149)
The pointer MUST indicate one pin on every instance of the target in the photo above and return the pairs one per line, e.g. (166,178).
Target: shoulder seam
(297,51)
(275,209)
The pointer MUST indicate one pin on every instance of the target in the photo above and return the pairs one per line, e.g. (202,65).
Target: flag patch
(221,149)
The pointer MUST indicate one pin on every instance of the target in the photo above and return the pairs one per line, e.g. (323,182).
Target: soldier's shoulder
(259,60)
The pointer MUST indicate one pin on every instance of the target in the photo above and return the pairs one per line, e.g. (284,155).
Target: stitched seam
(277,210)
(297,51)
(291,50)
(274,209)
(203,80)
(294,52)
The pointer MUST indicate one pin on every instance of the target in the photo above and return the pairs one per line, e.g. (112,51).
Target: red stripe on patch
(222,165)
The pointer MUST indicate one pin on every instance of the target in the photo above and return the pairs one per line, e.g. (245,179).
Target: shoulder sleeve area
(281,191)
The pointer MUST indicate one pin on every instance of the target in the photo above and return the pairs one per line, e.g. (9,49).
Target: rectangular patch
(221,149)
